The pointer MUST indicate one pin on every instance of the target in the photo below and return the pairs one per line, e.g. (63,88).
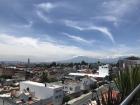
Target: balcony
(133,98)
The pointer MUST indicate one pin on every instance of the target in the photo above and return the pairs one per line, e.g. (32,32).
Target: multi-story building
(129,62)
(44,91)
(34,93)
(87,82)
(103,71)
(7,71)
(13,72)
(77,84)
(71,87)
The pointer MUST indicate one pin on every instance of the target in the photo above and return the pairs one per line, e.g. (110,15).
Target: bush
(127,80)
(66,99)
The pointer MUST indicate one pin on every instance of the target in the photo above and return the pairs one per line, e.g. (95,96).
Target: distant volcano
(92,60)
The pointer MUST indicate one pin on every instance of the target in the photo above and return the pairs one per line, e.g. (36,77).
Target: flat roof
(85,74)
(53,86)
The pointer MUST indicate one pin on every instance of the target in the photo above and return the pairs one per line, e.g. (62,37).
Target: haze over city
(48,30)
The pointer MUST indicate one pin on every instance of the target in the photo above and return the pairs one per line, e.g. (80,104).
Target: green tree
(53,64)
(70,64)
(44,77)
(66,99)
(83,63)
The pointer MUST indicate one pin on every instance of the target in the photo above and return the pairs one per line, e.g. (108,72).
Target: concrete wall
(86,83)
(58,96)
(40,92)
(44,92)
(5,102)
(81,100)
(72,88)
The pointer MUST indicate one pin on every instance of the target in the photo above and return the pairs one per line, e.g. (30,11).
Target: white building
(103,72)
(71,87)
(44,91)
(78,84)
(86,83)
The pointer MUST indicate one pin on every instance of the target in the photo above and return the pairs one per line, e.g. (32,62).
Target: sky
(51,30)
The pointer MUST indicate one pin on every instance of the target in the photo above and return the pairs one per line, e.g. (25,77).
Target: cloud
(28,25)
(19,48)
(44,50)
(86,26)
(119,8)
(108,18)
(121,50)
(44,17)
(79,39)
(47,6)
(73,24)
(103,30)
(23,41)
(43,10)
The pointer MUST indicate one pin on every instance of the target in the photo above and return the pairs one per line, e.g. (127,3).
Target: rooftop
(85,74)
(52,86)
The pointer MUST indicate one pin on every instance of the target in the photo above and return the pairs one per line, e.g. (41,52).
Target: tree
(44,77)
(66,99)
(5,77)
(70,64)
(90,66)
(98,63)
(53,64)
(83,63)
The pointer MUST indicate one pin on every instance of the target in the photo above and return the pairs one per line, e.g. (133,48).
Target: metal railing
(131,96)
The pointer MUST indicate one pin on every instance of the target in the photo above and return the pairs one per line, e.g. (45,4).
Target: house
(44,91)
(75,84)
(87,82)
(103,71)
(34,93)
(71,87)
(129,62)
(7,71)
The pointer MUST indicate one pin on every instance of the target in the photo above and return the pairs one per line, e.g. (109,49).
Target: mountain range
(93,60)
(78,59)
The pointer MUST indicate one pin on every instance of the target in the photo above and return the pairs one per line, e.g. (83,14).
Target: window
(71,88)
(56,97)
(57,91)
(66,87)
(60,96)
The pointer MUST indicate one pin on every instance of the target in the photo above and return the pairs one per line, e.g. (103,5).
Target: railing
(6,101)
(129,99)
